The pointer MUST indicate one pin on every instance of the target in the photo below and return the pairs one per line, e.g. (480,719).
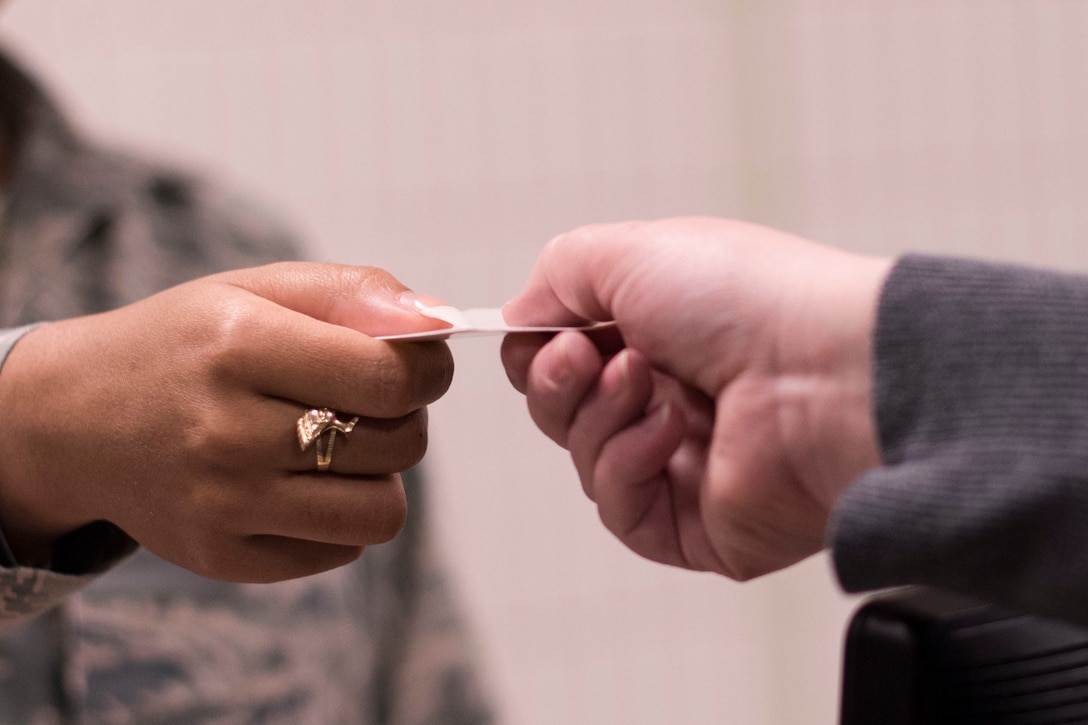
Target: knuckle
(211,438)
(389,389)
(368,278)
(420,376)
(224,339)
(391,519)
(210,557)
(410,441)
(742,572)
(431,374)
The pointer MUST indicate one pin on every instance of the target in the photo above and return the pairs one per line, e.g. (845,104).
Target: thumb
(367,299)
(573,280)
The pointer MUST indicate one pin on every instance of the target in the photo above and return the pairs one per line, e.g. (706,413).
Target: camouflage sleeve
(26,591)
(426,667)
(186,228)
(429,668)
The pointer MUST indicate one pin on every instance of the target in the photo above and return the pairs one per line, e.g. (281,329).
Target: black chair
(922,657)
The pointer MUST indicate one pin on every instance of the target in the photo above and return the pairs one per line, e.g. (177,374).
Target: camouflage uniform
(379,641)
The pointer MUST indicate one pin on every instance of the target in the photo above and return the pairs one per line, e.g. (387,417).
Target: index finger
(302,332)
(519,350)
(325,365)
(575,278)
(367,299)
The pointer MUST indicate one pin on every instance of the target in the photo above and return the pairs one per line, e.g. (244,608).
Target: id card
(477,321)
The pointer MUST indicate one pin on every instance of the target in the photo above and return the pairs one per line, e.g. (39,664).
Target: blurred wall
(448,141)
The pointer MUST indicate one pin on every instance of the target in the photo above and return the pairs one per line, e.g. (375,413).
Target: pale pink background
(447,141)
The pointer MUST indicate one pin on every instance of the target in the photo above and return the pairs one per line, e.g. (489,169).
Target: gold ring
(315,423)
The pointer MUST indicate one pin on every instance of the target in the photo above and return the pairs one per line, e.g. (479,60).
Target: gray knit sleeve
(982,407)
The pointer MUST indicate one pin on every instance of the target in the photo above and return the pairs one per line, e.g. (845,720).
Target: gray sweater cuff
(981,395)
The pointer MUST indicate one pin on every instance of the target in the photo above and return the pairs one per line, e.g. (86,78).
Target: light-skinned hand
(717,433)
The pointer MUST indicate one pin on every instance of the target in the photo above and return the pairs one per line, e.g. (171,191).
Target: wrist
(31,514)
(826,365)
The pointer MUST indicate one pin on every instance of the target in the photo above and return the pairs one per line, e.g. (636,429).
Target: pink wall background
(448,141)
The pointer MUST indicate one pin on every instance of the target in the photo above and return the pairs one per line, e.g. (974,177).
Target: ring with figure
(317,422)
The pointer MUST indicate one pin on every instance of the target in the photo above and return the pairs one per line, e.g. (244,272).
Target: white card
(476,321)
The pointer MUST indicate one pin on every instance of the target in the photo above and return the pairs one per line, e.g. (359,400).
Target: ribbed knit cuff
(981,395)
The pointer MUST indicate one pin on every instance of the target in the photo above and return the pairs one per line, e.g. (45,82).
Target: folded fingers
(617,401)
(559,377)
(331,508)
(283,354)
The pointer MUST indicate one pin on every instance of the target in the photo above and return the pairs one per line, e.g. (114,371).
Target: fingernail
(419,302)
(659,416)
(505,316)
(558,370)
(434,308)
(615,380)
(623,366)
